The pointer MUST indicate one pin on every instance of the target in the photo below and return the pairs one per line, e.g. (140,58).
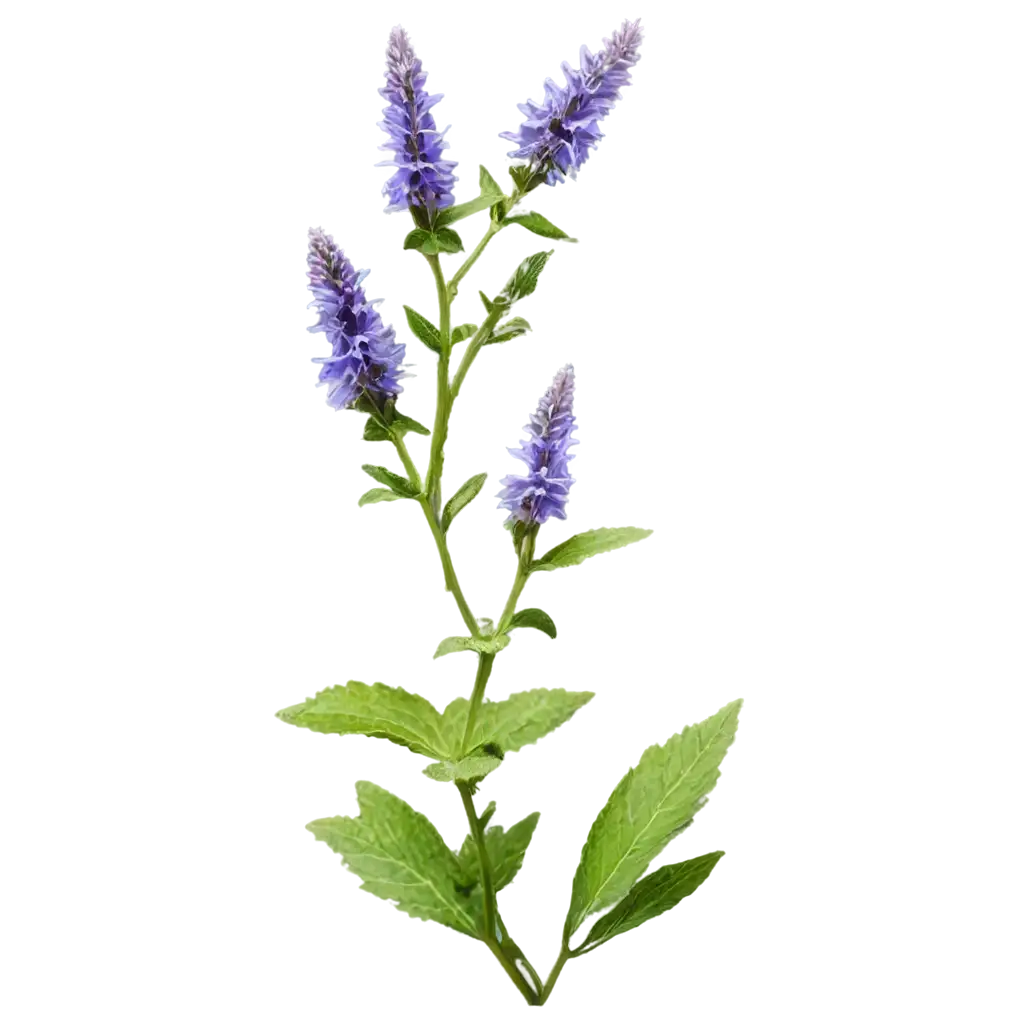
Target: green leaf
(585,545)
(423,329)
(534,618)
(508,331)
(479,644)
(464,770)
(407,425)
(539,226)
(383,711)
(659,891)
(460,499)
(505,851)
(524,280)
(488,186)
(400,856)
(420,239)
(652,804)
(397,483)
(380,500)
(462,332)
(488,814)
(447,240)
(488,305)
(522,175)
(513,723)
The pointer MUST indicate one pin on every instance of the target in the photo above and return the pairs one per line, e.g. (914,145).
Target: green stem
(553,976)
(492,229)
(451,581)
(403,454)
(490,935)
(475,344)
(522,575)
(483,673)
(443,411)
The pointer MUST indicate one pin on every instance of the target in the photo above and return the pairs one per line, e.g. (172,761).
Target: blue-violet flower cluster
(544,490)
(364,357)
(558,134)
(422,179)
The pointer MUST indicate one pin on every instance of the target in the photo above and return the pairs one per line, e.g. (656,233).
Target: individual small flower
(544,490)
(364,358)
(558,134)
(423,179)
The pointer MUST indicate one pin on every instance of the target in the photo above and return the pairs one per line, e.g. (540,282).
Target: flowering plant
(395,850)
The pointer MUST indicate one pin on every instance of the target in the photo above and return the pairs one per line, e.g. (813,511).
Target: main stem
(563,956)
(441,414)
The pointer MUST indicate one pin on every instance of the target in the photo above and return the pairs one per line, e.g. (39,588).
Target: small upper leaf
(387,712)
(659,891)
(511,328)
(585,545)
(460,499)
(375,494)
(524,280)
(534,618)
(465,769)
(462,332)
(490,193)
(400,856)
(418,238)
(479,644)
(400,426)
(652,804)
(513,723)
(397,483)
(539,226)
(423,329)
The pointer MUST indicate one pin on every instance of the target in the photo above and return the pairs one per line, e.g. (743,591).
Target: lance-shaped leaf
(534,618)
(460,499)
(400,426)
(423,329)
(479,644)
(400,856)
(375,494)
(524,280)
(513,723)
(659,891)
(585,545)
(462,332)
(539,226)
(651,805)
(397,483)
(511,328)
(505,851)
(430,243)
(490,194)
(387,712)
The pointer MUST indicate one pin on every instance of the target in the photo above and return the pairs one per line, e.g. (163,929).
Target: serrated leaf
(387,712)
(375,494)
(527,275)
(407,425)
(513,723)
(464,770)
(419,239)
(505,851)
(490,193)
(534,618)
(397,483)
(400,856)
(460,499)
(462,332)
(652,804)
(659,891)
(539,226)
(423,329)
(400,426)
(585,545)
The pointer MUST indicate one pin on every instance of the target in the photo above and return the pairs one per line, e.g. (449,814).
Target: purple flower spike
(558,134)
(364,358)
(543,492)
(423,179)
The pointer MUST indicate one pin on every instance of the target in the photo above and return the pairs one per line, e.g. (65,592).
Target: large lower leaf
(659,891)
(651,805)
(400,856)
(378,710)
(523,718)
(585,545)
